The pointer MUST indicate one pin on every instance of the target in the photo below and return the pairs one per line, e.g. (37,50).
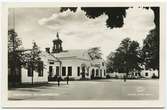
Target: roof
(48,56)
(76,54)
(81,54)
(97,61)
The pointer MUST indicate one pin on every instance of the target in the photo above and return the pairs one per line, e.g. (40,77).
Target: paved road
(90,90)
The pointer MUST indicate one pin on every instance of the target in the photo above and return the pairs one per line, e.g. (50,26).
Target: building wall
(75,63)
(36,79)
(120,75)
(149,73)
(143,73)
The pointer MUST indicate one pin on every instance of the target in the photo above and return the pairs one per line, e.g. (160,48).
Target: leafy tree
(95,53)
(33,59)
(126,58)
(151,50)
(14,43)
(14,57)
(115,14)
(110,62)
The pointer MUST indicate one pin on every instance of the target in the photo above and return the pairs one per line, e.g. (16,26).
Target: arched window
(97,72)
(100,72)
(93,71)
(146,74)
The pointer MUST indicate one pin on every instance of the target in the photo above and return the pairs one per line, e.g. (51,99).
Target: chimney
(47,50)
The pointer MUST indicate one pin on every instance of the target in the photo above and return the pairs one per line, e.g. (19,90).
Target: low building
(149,73)
(116,75)
(40,74)
(76,63)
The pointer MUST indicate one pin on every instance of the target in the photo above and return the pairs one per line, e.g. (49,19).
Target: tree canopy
(14,44)
(95,53)
(150,50)
(126,58)
(115,14)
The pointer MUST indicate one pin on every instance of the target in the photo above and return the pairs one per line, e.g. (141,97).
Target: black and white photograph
(83,53)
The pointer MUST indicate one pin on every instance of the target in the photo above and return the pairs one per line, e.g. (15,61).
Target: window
(69,71)
(102,63)
(135,74)
(52,62)
(100,72)
(40,68)
(78,70)
(50,70)
(146,74)
(104,72)
(57,70)
(97,72)
(83,69)
(88,72)
(63,71)
(30,70)
(93,71)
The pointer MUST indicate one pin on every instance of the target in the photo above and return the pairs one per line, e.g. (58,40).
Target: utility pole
(32,63)
(13,36)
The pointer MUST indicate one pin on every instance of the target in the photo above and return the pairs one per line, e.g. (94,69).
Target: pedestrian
(67,79)
(58,80)
(124,78)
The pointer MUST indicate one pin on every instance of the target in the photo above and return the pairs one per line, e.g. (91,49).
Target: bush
(108,77)
(70,79)
(154,76)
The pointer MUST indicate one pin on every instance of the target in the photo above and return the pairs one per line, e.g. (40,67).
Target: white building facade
(40,75)
(76,64)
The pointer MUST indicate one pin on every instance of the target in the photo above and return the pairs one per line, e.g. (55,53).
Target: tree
(115,14)
(14,57)
(121,55)
(14,43)
(110,62)
(126,58)
(150,50)
(95,53)
(33,59)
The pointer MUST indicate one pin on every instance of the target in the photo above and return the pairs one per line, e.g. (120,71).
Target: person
(58,80)
(124,78)
(67,79)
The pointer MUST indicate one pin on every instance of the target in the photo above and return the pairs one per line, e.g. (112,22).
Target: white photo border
(79,103)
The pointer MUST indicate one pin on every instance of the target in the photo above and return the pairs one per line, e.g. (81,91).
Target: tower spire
(57,35)
(57,45)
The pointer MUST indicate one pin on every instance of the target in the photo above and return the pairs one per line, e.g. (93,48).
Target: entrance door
(57,70)
(83,72)
(101,73)
(50,73)
(93,73)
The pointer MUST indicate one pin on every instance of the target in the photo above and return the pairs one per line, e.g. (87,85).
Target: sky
(76,30)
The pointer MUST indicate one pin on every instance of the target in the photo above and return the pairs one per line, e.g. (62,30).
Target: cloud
(27,26)
(78,31)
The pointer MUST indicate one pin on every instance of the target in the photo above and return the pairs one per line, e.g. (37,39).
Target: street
(104,89)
